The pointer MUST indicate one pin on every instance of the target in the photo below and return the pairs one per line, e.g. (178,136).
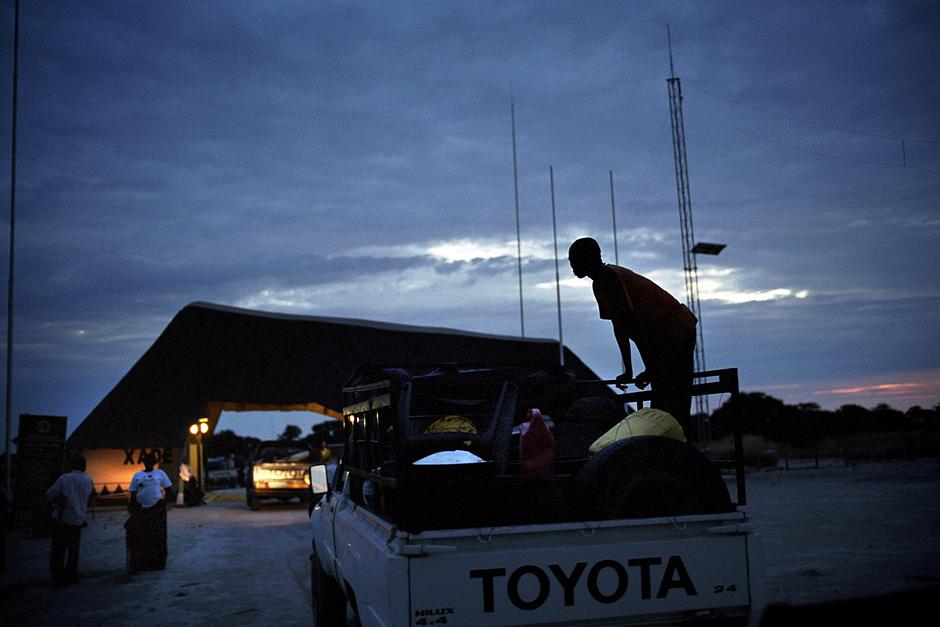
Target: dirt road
(226,565)
(828,534)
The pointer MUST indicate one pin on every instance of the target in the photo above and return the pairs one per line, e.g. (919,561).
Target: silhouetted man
(69,498)
(662,328)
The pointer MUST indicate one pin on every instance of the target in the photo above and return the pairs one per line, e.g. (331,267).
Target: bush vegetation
(852,432)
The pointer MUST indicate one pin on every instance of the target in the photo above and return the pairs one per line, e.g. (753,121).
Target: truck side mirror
(319,481)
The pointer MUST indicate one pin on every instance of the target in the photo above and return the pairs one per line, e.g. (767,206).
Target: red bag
(536,447)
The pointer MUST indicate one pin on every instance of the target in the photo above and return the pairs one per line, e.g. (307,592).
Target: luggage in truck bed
(386,422)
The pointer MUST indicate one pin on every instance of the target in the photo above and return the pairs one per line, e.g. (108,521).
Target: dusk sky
(355,159)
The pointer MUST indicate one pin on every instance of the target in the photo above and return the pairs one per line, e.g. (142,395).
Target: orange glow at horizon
(921,388)
(884,388)
(900,389)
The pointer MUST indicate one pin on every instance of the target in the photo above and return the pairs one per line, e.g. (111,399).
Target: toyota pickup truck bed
(483,545)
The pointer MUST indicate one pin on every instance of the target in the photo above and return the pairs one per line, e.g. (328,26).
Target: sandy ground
(226,564)
(839,533)
(833,533)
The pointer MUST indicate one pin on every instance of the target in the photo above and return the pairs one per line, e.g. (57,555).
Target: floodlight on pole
(707,248)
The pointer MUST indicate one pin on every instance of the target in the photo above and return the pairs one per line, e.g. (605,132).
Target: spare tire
(652,476)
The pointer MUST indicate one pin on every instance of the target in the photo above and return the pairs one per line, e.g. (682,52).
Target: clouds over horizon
(310,158)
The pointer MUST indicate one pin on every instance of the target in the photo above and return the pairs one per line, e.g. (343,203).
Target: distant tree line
(805,424)
(800,425)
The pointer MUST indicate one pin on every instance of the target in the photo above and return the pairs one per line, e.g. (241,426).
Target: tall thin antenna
(9,392)
(515,185)
(613,216)
(689,263)
(561,344)
(672,72)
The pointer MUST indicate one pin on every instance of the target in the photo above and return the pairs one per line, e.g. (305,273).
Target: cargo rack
(387,409)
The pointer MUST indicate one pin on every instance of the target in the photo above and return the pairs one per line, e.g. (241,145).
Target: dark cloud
(173,153)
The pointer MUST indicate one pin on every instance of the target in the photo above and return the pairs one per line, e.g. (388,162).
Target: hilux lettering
(435,612)
(674,576)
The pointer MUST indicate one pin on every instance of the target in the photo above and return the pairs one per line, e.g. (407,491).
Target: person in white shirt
(69,499)
(146,527)
(148,486)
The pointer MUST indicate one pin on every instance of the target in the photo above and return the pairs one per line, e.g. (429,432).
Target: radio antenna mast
(613,216)
(561,344)
(689,263)
(515,186)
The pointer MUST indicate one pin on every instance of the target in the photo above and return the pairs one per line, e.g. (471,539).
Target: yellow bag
(451,424)
(646,421)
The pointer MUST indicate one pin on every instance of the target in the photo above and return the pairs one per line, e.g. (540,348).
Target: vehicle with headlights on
(278,469)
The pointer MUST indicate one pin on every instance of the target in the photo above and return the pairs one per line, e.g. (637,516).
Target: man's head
(584,255)
(77,462)
(149,460)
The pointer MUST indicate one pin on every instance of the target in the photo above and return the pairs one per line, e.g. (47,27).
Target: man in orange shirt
(662,328)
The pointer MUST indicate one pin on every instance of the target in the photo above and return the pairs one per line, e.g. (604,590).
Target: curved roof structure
(212,358)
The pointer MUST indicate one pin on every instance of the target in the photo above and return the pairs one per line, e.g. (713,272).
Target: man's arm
(623,341)
(167,486)
(55,491)
(133,504)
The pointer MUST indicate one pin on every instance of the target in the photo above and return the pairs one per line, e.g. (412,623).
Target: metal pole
(613,215)
(515,184)
(672,71)
(199,458)
(9,393)
(561,345)
(690,263)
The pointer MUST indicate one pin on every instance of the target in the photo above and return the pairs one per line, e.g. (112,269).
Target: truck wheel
(329,603)
(652,476)
(253,502)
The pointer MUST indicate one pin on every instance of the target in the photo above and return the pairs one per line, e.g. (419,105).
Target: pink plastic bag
(537,447)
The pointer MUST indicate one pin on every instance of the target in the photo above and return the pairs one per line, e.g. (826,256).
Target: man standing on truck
(662,328)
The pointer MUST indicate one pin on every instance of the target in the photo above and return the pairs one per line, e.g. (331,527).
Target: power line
(812,152)
(819,124)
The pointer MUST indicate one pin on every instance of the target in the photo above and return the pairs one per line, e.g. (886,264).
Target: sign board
(111,469)
(40,452)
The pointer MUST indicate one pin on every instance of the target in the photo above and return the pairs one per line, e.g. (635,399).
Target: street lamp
(198,429)
(705,248)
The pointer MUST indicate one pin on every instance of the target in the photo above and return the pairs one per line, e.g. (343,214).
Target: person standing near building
(146,527)
(69,499)
(662,328)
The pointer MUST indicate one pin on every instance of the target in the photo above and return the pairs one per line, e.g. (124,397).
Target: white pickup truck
(643,532)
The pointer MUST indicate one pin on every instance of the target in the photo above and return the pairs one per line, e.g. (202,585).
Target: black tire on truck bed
(327,598)
(652,476)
